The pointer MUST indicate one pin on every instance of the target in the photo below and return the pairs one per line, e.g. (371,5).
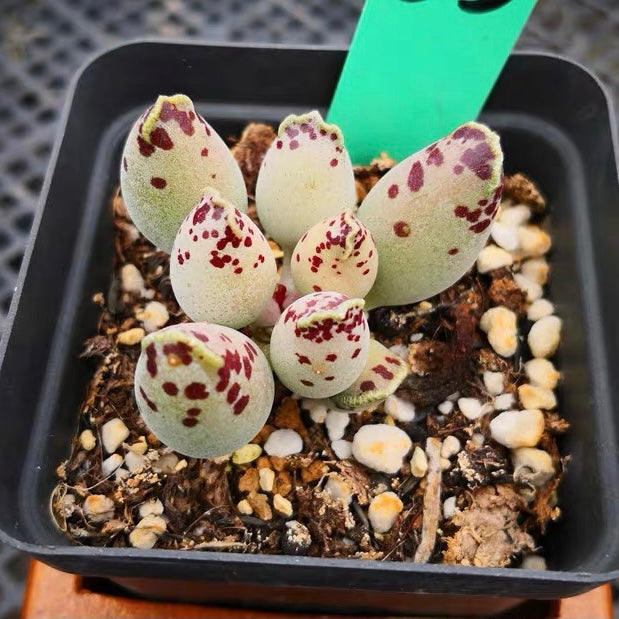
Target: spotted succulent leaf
(222,269)
(337,254)
(430,215)
(170,156)
(381,376)
(306,175)
(203,390)
(320,344)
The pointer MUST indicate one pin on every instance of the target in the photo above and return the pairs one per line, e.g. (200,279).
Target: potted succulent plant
(297,369)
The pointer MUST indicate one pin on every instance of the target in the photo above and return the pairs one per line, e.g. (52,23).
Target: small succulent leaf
(221,268)
(170,156)
(336,254)
(381,376)
(320,343)
(430,215)
(203,390)
(306,175)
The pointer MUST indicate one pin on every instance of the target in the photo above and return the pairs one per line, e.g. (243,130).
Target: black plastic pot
(555,125)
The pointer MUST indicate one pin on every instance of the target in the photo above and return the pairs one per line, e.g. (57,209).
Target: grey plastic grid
(42,43)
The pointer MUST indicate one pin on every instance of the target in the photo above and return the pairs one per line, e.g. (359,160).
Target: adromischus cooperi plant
(205,389)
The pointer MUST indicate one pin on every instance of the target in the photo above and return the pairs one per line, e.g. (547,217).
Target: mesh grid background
(42,43)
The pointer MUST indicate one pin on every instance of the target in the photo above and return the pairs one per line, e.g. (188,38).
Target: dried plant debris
(455,490)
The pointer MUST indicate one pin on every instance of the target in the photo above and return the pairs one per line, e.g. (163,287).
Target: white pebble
(500,324)
(113,433)
(342,449)
(383,511)
(534,242)
(419,462)
(544,336)
(536,269)
(182,464)
(155,523)
(109,465)
(134,461)
(478,439)
(131,281)
(166,463)
(494,382)
(445,407)
(415,337)
(316,407)
(492,257)
(542,373)
(518,428)
(445,464)
(450,447)
(88,440)
(140,447)
(504,401)
(532,466)
(505,236)
(471,408)
(282,505)
(152,507)
(337,487)
(515,216)
(121,474)
(532,396)
(98,508)
(153,316)
(449,507)
(244,507)
(336,423)
(246,454)
(539,309)
(131,337)
(282,443)
(400,409)
(381,447)
(532,289)
(142,538)
(534,562)
(267,479)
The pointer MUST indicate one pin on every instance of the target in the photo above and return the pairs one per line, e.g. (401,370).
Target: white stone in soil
(494,382)
(478,439)
(515,215)
(500,324)
(246,454)
(110,464)
(533,290)
(337,487)
(342,449)
(381,447)
(532,396)
(539,309)
(113,433)
(399,409)
(244,507)
(131,337)
(449,507)
(471,408)
(504,402)
(415,337)
(419,462)
(266,479)
(544,336)
(131,279)
(384,510)
(152,507)
(536,269)
(505,236)
(532,466)
(316,407)
(444,408)
(154,316)
(98,508)
(534,562)
(157,524)
(88,440)
(450,447)
(492,257)
(121,474)
(515,429)
(542,373)
(336,423)
(282,443)
(142,538)
(534,242)
(282,505)
(134,461)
